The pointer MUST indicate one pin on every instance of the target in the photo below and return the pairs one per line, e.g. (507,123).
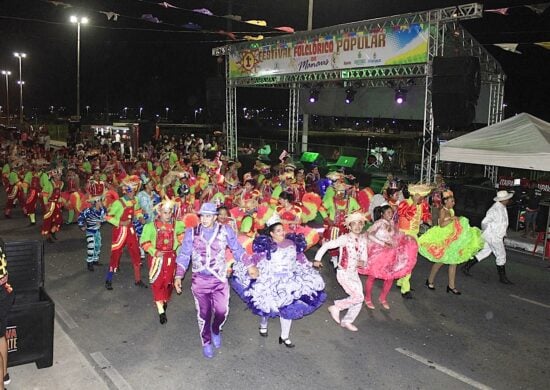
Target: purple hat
(208,209)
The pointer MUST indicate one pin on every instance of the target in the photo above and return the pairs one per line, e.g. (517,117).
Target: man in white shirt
(494,226)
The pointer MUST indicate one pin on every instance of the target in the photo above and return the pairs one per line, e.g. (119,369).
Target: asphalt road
(489,337)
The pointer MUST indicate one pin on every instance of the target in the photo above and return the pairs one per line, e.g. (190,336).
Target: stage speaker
(455,89)
(346,162)
(215,98)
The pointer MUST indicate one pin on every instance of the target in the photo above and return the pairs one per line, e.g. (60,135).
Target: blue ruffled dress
(288,286)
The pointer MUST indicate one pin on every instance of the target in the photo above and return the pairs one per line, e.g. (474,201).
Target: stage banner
(353,48)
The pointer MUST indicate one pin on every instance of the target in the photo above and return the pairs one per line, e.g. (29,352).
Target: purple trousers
(211,300)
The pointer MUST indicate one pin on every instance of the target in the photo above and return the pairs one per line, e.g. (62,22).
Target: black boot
(468,266)
(162,318)
(502,275)
(90,267)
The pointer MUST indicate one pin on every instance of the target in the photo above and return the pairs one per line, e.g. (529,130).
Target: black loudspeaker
(215,98)
(455,89)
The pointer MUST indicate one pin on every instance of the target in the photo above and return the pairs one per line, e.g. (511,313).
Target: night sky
(133,63)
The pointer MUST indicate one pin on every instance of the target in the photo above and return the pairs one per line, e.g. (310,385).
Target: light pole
(140,110)
(78,21)
(87,111)
(7,73)
(197,111)
(125,112)
(167,109)
(20,57)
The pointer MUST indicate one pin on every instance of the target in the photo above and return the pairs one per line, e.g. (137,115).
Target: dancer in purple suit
(206,245)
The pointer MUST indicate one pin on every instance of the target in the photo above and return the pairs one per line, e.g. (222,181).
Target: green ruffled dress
(455,243)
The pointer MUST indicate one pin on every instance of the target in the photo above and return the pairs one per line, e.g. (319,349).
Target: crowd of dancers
(249,230)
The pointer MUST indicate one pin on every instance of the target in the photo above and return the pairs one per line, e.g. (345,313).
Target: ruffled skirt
(391,262)
(455,243)
(289,295)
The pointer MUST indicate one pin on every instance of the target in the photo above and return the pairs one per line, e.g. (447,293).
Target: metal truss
(446,38)
(286,81)
(496,113)
(447,14)
(293,120)
(231,122)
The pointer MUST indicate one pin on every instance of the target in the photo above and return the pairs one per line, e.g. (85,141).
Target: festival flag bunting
(253,38)
(511,47)
(500,11)
(289,30)
(262,23)
(538,8)
(204,11)
(545,45)
(167,5)
(110,15)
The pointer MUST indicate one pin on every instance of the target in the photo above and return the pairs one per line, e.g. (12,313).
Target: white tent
(522,141)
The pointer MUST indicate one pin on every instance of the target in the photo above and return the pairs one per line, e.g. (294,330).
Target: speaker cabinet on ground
(455,90)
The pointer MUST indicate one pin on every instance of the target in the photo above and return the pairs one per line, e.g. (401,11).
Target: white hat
(503,195)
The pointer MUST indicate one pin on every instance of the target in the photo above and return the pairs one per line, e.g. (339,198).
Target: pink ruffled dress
(391,254)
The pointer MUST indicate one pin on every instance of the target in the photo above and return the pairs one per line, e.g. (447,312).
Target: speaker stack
(455,90)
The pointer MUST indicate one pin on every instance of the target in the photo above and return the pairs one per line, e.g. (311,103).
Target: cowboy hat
(503,195)
(208,209)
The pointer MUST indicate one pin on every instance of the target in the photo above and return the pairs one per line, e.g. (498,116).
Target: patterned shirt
(91,218)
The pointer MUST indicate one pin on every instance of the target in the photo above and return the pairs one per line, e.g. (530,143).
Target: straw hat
(420,189)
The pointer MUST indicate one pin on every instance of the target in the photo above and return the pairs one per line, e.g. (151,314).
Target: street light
(20,57)
(140,110)
(78,21)
(197,111)
(87,111)
(167,109)
(125,112)
(7,73)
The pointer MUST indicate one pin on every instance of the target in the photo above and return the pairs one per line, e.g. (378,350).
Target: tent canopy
(522,141)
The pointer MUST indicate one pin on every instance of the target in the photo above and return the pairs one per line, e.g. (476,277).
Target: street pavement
(491,336)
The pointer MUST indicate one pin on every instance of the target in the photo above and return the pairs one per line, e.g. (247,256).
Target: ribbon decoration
(511,47)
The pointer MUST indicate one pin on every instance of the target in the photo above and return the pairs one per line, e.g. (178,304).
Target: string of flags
(191,26)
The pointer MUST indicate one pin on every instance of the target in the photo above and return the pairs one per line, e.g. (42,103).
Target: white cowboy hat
(503,195)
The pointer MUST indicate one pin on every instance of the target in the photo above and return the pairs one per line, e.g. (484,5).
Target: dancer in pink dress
(392,254)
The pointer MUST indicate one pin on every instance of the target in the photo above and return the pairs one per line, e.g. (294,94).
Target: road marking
(530,301)
(65,317)
(115,377)
(443,369)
